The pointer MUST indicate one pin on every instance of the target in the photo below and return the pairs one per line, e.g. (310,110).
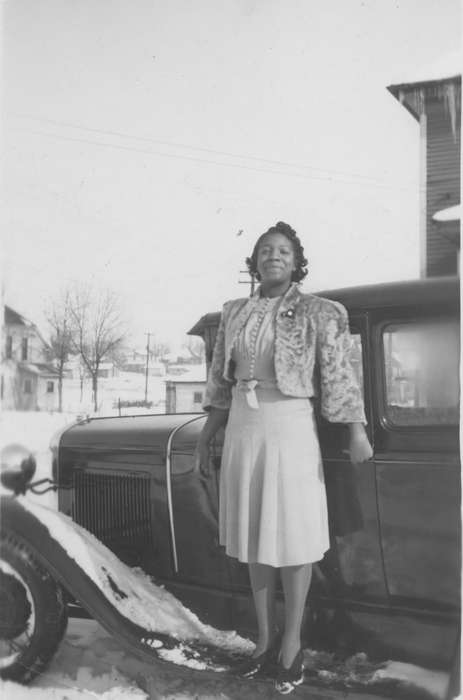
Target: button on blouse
(253,352)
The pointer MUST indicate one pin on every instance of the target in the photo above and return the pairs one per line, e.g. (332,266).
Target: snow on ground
(126,386)
(34,431)
(131,591)
(435,682)
(91,664)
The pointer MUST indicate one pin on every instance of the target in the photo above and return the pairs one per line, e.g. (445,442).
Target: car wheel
(33,614)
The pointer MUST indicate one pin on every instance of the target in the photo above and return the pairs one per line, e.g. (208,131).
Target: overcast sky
(141,136)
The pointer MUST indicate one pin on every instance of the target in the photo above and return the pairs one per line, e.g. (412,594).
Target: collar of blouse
(289,297)
(285,310)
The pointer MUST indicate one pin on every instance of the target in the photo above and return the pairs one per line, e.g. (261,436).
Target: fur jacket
(312,340)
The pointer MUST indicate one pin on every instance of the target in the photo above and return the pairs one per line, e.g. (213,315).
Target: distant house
(184,356)
(136,362)
(74,368)
(107,370)
(186,394)
(155,369)
(28,381)
(434,100)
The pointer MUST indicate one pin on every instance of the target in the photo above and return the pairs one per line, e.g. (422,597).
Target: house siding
(19,367)
(180,396)
(443,187)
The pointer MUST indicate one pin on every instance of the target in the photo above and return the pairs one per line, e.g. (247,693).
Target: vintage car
(390,584)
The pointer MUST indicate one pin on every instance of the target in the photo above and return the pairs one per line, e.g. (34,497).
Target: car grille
(115,508)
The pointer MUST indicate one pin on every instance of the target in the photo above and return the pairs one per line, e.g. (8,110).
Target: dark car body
(390,584)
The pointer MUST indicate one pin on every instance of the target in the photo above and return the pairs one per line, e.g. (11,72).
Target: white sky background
(110,108)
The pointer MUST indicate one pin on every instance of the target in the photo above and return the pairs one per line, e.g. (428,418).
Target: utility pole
(148,335)
(251,281)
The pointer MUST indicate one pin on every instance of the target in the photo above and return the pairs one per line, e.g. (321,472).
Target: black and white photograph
(230,350)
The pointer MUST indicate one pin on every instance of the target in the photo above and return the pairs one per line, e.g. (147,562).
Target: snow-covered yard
(126,386)
(92,664)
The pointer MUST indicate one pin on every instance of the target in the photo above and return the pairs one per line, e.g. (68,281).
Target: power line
(173,144)
(208,161)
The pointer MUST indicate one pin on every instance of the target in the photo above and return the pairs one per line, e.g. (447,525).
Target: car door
(418,472)
(351,572)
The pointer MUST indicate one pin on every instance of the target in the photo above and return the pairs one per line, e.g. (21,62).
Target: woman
(273,512)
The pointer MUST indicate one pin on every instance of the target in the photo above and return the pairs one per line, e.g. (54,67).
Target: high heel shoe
(288,678)
(252,666)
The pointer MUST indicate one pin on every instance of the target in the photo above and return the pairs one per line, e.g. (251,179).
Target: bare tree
(118,355)
(81,371)
(197,348)
(98,329)
(158,348)
(60,340)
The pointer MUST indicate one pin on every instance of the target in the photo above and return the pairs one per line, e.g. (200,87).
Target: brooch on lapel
(289,313)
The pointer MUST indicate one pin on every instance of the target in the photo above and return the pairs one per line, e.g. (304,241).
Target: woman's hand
(360,449)
(216,419)
(202,459)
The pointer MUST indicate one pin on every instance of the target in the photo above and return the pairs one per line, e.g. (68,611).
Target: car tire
(33,614)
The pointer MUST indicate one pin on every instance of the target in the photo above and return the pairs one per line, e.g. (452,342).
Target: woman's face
(275,259)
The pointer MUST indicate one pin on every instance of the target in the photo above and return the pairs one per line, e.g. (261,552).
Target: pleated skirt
(273,506)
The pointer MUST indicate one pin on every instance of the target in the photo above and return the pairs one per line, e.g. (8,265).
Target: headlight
(17,467)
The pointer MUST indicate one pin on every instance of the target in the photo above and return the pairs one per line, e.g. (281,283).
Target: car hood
(146,432)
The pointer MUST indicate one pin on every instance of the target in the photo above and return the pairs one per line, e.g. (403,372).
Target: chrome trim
(169,486)
(55,446)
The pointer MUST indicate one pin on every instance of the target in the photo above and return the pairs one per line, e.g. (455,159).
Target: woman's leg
(263,584)
(296,583)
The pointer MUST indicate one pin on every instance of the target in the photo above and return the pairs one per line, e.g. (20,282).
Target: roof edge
(413,84)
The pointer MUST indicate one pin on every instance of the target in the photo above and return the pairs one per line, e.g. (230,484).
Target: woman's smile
(275,258)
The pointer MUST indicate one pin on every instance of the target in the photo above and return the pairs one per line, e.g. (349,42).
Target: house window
(9,347)
(28,386)
(197,397)
(421,363)
(24,349)
(50,387)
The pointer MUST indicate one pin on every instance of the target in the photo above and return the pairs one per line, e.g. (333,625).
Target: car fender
(28,530)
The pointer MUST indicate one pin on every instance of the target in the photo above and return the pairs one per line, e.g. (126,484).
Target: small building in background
(28,381)
(39,387)
(185,394)
(434,100)
(106,370)
(136,362)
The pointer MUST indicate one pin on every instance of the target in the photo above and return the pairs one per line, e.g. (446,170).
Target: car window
(421,364)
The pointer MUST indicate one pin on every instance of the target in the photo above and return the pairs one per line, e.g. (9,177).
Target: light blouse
(253,352)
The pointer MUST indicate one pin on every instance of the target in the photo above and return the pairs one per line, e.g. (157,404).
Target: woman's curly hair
(300,260)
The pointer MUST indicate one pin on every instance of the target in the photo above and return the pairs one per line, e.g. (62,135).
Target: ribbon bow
(247,387)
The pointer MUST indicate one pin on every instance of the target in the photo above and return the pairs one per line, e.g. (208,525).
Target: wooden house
(28,381)
(185,394)
(434,100)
